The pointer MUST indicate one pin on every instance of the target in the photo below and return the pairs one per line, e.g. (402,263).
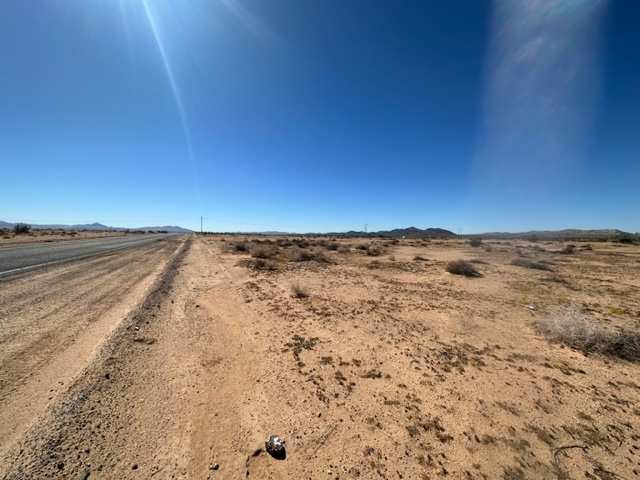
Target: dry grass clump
(323,257)
(462,267)
(240,247)
(574,329)
(420,258)
(297,254)
(263,251)
(299,291)
(263,264)
(521,262)
(568,249)
(374,252)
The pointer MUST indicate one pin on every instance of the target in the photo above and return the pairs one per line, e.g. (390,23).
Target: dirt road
(378,364)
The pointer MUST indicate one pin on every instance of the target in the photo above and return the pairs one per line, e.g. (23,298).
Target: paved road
(14,259)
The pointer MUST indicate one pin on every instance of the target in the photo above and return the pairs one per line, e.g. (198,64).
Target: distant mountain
(404,232)
(168,228)
(570,233)
(101,227)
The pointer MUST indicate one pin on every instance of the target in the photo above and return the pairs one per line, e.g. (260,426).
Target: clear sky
(321,115)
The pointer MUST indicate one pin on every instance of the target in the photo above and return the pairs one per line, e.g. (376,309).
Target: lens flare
(541,93)
(175,90)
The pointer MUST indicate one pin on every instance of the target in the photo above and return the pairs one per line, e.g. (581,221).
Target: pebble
(214,466)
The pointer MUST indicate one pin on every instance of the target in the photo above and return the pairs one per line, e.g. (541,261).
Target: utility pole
(459,231)
(201,225)
(365,228)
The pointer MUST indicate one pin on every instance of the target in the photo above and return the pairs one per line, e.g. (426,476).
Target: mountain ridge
(99,226)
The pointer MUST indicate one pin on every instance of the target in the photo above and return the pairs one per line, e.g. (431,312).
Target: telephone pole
(365,228)
(200,224)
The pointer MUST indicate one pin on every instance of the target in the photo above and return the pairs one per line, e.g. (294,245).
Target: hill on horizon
(100,227)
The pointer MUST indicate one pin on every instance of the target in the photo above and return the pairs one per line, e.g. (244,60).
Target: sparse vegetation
(240,247)
(297,254)
(263,264)
(299,291)
(21,228)
(263,251)
(420,258)
(568,249)
(576,330)
(475,242)
(462,267)
(521,262)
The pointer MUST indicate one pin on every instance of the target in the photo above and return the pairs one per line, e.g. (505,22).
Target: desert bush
(420,258)
(576,330)
(392,258)
(333,246)
(299,291)
(568,249)
(263,264)
(296,254)
(475,242)
(262,251)
(374,251)
(21,228)
(344,249)
(487,248)
(323,257)
(521,262)
(462,267)
(240,247)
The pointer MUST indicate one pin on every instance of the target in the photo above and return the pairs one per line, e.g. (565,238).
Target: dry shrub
(263,251)
(240,247)
(263,264)
(521,262)
(568,249)
(420,258)
(323,257)
(576,330)
(297,254)
(374,251)
(462,267)
(299,291)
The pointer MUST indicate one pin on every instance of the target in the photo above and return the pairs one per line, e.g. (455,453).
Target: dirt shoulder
(377,363)
(56,321)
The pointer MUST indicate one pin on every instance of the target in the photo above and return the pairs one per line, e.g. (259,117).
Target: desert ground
(365,355)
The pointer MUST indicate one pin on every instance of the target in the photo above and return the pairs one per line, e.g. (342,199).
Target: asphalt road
(19,258)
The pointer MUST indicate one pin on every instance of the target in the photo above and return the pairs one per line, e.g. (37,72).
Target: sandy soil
(389,368)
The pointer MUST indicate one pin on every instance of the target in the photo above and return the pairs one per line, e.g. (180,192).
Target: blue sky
(321,115)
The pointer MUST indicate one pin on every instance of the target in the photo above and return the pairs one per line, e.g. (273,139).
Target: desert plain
(365,355)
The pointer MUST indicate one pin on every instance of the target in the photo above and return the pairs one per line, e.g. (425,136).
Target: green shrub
(21,228)
(475,242)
